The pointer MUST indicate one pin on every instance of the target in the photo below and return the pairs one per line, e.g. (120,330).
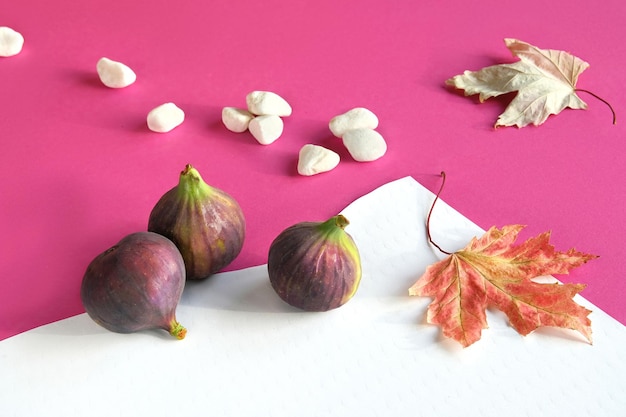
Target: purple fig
(315,266)
(136,285)
(204,222)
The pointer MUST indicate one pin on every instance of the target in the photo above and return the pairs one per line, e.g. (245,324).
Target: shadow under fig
(248,291)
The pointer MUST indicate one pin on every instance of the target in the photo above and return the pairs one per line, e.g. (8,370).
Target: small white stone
(265,102)
(11,41)
(266,129)
(364,144)
(315,159)
(235,119)
(357,118)
(114,74)
(165,117)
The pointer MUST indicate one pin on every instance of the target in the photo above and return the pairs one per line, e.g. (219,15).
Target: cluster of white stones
(356,128)
(160,119)
(262,118)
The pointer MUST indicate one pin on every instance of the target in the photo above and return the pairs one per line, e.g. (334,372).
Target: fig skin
(205,223)
(136,285)
(315,266)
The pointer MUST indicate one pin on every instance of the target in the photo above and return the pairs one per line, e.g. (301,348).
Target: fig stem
(430,239)
(191,183)
(602,100)
(341,221)
(177,330)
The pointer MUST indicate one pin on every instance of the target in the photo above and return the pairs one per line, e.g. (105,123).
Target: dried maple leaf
(492,271)
(545,81)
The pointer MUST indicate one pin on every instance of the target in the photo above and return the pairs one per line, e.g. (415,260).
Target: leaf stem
(602,100)
(430,239)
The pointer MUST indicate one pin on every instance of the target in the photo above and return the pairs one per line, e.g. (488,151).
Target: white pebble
(266,129)
(364,144)
(165,117)
(357,118)
(235,119)
(114,74)
(315,159)
(265,103)
(11,41)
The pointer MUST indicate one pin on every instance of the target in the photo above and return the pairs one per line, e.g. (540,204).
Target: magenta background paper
(79,168)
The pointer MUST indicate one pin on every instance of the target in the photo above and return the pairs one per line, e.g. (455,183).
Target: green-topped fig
(315,266)
(205,223)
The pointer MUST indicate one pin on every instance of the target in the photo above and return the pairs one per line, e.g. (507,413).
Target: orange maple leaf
(491,271)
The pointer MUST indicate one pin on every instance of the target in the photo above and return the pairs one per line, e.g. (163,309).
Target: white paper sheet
(249,354)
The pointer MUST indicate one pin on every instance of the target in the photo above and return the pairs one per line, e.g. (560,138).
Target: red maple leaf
(492,271)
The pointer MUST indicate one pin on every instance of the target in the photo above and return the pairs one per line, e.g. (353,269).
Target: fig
(136,285)
(205,223)
(315,266)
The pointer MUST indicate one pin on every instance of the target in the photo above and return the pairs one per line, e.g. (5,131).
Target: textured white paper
(249,354)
